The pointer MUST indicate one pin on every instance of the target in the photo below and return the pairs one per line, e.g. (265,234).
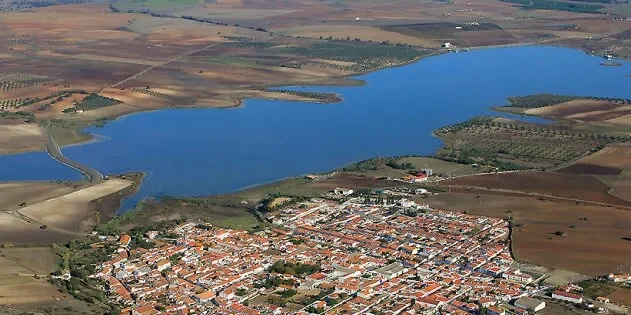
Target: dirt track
(570,187)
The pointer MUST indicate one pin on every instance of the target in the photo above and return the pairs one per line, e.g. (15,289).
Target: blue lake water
(208,151)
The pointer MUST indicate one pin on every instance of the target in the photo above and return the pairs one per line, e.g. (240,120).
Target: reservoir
(190,152)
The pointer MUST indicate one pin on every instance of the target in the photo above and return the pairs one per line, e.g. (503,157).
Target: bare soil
(594,246)
(14,193)
(20,137)
(67,212)
(586,168)
(580,187)
(23,282)
(613,167)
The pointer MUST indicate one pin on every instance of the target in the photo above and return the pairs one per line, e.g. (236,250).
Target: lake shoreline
(349,78)
(403,109)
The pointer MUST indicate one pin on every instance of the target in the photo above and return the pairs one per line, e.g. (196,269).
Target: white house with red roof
(567,296)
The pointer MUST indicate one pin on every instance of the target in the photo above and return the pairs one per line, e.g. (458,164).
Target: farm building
(530,304)
(566,296)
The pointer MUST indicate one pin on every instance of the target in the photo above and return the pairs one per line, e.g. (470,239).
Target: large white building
(566,296)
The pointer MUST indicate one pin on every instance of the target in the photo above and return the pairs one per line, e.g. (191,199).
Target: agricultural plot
(318,96)
(579,6)
(363,56)
(440,29)
(359,56)
(180,100)
(9,104)
(90,102)
(544,100)
(512,145)
(6,105)
(155,6)
(11,81)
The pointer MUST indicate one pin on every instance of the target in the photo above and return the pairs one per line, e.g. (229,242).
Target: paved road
(54,151)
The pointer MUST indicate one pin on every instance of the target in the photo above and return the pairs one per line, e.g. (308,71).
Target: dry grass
(17,232)
(440,166)
(216,12)
(364,32)
(14,193)
(587,110)
(19,137)
(69,211)
(613,156)
(20,290)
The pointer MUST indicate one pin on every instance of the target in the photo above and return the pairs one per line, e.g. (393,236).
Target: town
(344,255)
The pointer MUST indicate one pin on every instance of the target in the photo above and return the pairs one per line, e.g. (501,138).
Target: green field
(155,5)
(513,145)
(543,100)
(90,102)
(556,5)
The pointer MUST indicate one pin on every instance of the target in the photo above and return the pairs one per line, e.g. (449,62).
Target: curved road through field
(54,151)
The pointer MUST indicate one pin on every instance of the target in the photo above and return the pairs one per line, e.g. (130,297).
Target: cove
(187,152)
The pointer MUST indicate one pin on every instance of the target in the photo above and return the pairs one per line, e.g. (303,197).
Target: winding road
(54,151)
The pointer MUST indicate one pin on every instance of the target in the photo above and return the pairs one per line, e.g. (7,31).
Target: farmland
(576,6)
(573,187)
(78,64)
(592,244)
(142,55)
(11,81)
(24,286)
(610,165)
(94,72)
(509,144)
(92,101)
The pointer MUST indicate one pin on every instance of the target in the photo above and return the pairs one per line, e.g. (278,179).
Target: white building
(420,191)
(447,45)
(619,277)
(343,191)
(517,276)
(566,296)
